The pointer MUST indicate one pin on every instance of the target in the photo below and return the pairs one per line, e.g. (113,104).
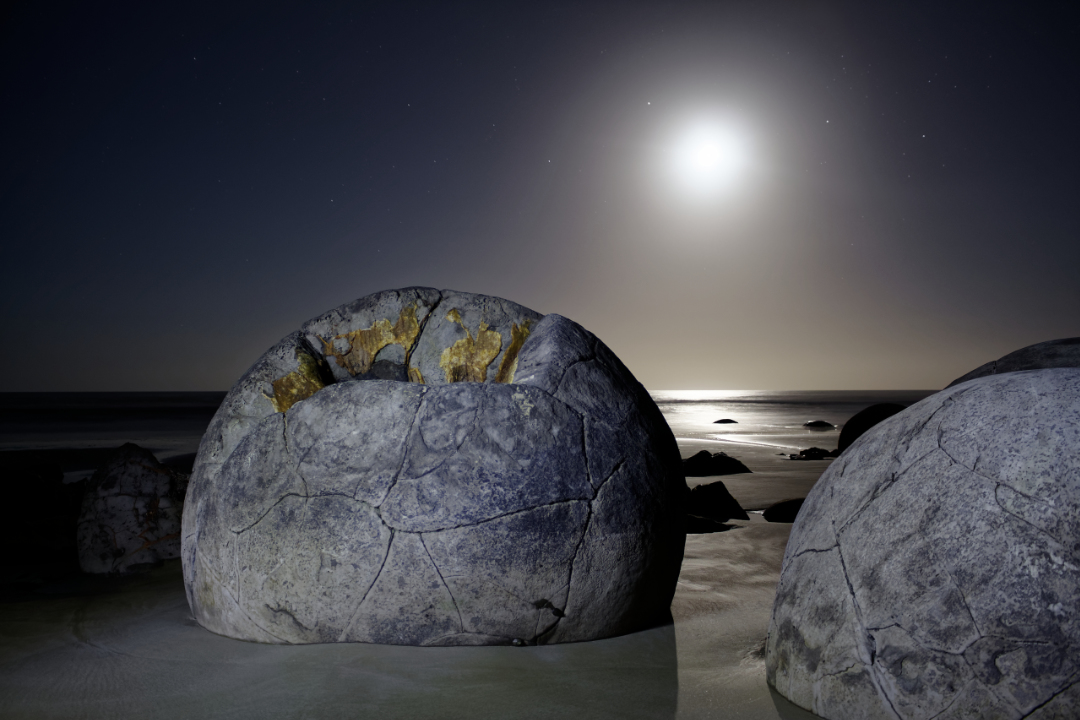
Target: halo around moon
(706,159)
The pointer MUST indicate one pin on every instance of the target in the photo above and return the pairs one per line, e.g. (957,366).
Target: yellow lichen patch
(415,376)
(508,366)
(301,383)
(467,360)
(365,343)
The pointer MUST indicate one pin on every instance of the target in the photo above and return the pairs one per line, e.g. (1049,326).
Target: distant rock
(863,420)
(932,570)
(1050,354)
(131,513)
(819,425)
(784,511)
(704,464)
(725,421)
(714,501)
(814,453)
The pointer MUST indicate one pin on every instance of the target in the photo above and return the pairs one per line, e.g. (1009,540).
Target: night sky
(730,195)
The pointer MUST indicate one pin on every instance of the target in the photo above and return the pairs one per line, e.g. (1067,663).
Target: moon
(708,158)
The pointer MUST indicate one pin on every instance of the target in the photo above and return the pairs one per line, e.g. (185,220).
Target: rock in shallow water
(510,482)
(706,464)
(934,569)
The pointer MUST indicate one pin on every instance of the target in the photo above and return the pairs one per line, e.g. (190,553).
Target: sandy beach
(79,646)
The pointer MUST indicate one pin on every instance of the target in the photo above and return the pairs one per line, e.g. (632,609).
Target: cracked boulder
(934,569)
(424,467)
(131,512)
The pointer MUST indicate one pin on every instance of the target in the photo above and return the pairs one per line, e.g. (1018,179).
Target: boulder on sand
(131,513)
(713,501)
(933,569)
(863,420)
(784,511)
(424,467)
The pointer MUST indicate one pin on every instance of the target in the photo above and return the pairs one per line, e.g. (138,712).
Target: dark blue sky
(183,184)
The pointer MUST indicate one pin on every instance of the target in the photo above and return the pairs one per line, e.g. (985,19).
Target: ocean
(98,644)
(172,423)
(72,432)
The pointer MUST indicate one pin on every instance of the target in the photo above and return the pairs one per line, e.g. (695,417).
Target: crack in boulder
(356,611)
(438,571)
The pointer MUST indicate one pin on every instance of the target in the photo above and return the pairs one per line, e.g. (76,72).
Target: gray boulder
(863,420)
(1064,352)
(434,468)
(131,513)
(934,569)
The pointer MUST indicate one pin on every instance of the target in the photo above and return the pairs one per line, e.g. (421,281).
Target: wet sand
(129,648)
(74,646)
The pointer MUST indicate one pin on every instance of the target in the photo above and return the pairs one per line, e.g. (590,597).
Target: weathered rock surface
(434,468)
(705,464)
(863,420)
(934,569)
(131,513)
(1061,353)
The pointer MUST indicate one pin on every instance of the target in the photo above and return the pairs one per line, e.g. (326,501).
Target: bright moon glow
(708,159)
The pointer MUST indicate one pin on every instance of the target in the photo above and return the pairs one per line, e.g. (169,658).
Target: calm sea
(172,423)
(769,418)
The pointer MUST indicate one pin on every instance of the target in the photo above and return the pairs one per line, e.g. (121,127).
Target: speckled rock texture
(424,467)
(131,513)
(934,570)
(1064,352)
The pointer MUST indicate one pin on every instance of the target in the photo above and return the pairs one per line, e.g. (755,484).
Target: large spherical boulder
(934,570)
(434,468)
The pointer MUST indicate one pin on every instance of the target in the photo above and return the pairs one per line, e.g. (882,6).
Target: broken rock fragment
(130,515)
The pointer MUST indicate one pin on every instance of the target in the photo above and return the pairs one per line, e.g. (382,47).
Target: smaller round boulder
(863,420)
(934,569)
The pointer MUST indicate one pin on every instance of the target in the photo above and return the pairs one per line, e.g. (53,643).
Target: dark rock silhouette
(1061,353)
(863,420)
(714,501)
(725,421)
(784,511)
(38,517)
(814,453)
(704,464)
(818,425)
